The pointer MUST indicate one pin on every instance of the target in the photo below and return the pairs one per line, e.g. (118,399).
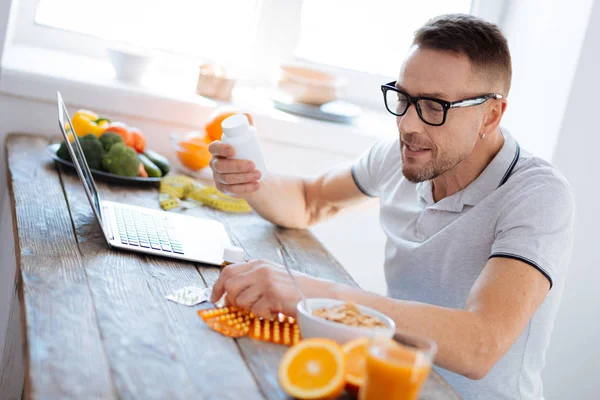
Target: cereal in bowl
(349,314)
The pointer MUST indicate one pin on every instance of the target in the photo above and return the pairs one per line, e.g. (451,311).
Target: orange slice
(194,154)
(313,369)
(355,352)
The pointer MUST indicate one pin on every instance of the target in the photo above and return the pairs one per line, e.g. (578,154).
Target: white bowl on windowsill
(312,326)
(130,64)
(309,86)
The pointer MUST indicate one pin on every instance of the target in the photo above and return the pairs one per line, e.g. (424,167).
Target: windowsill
(37,73)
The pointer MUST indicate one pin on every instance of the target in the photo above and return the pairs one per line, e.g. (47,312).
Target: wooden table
(95,322)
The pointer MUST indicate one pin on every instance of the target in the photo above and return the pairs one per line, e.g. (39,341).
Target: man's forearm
(295,202)
(281,200)
(464,343)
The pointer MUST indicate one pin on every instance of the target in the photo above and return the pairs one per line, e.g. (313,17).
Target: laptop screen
(78,159)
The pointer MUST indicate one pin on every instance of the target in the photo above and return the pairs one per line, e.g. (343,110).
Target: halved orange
(355,352)
(313,369)
(194,154)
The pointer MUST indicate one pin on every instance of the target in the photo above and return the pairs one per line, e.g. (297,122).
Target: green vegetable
(63,152)
(92,151)
(102,119)
(121,160)
(160,161)
(151,168)
(108,139)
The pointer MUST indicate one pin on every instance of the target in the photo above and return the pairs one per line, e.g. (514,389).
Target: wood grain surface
(63,348)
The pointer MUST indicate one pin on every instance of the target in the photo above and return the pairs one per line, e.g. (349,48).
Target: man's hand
(287,201)
(233,177)
(265,288)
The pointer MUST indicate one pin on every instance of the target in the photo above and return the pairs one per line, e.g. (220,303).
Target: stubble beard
(432,169)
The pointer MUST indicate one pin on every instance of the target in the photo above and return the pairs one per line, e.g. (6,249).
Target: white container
(242,136)
(130,65)
(312,326)
(233,255)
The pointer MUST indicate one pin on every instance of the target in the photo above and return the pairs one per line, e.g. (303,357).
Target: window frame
(284,23)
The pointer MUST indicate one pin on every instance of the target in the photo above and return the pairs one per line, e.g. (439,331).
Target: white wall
(545,38)
(5,15)
(572,369)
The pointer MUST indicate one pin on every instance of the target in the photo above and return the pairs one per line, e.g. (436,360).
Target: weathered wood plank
(12,374)
(138,347)
(61,336)
(192,357)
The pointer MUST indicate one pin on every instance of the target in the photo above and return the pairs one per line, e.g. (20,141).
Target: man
(478,231)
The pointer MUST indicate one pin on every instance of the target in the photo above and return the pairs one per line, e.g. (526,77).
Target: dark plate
(335,111)
(102,175)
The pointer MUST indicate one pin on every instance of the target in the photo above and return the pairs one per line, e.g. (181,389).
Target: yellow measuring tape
(175,188)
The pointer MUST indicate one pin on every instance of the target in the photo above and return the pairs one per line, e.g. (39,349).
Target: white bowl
(130,65)
(312,326)
(309,86)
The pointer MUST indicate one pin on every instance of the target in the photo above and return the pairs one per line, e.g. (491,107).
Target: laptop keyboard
(139,229)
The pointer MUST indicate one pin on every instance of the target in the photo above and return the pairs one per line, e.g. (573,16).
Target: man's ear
(494,114)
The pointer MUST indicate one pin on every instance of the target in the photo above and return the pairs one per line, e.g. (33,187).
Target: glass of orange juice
(397,368)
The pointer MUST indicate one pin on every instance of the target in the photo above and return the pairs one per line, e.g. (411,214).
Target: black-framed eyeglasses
(432,111)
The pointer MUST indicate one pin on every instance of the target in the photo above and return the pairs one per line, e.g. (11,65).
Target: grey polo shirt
(519,207)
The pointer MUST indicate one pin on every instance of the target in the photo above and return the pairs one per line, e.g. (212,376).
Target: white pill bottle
(242,136)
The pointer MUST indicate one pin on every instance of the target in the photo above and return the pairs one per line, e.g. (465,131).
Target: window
(370,36)
(190,27)
(365,42)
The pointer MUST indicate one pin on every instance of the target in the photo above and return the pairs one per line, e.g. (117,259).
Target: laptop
(145,230)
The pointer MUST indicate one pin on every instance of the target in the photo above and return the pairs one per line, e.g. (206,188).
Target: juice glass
(397,368)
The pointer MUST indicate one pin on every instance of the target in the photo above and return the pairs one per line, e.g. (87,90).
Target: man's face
(429,151)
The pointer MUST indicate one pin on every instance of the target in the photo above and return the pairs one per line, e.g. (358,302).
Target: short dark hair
(481,41)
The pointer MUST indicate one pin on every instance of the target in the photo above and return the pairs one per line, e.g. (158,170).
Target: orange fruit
(213,125)
(138,139)
(313,369)
(355,353)
(194,154)
(197,139)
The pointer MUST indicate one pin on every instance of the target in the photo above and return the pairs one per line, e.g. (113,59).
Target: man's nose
(410,121)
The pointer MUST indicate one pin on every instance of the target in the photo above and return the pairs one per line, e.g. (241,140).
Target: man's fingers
(236,179)
(232,166)
(227,273)
(248,297)
(262,308)
(243,188)
(220,149)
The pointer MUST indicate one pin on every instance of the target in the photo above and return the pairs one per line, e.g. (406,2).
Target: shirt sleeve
(536,226)
(368,170)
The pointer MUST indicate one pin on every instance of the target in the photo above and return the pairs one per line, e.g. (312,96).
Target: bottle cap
(236,125)
(233,254)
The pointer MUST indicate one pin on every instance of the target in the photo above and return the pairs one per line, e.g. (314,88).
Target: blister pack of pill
(235,322)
